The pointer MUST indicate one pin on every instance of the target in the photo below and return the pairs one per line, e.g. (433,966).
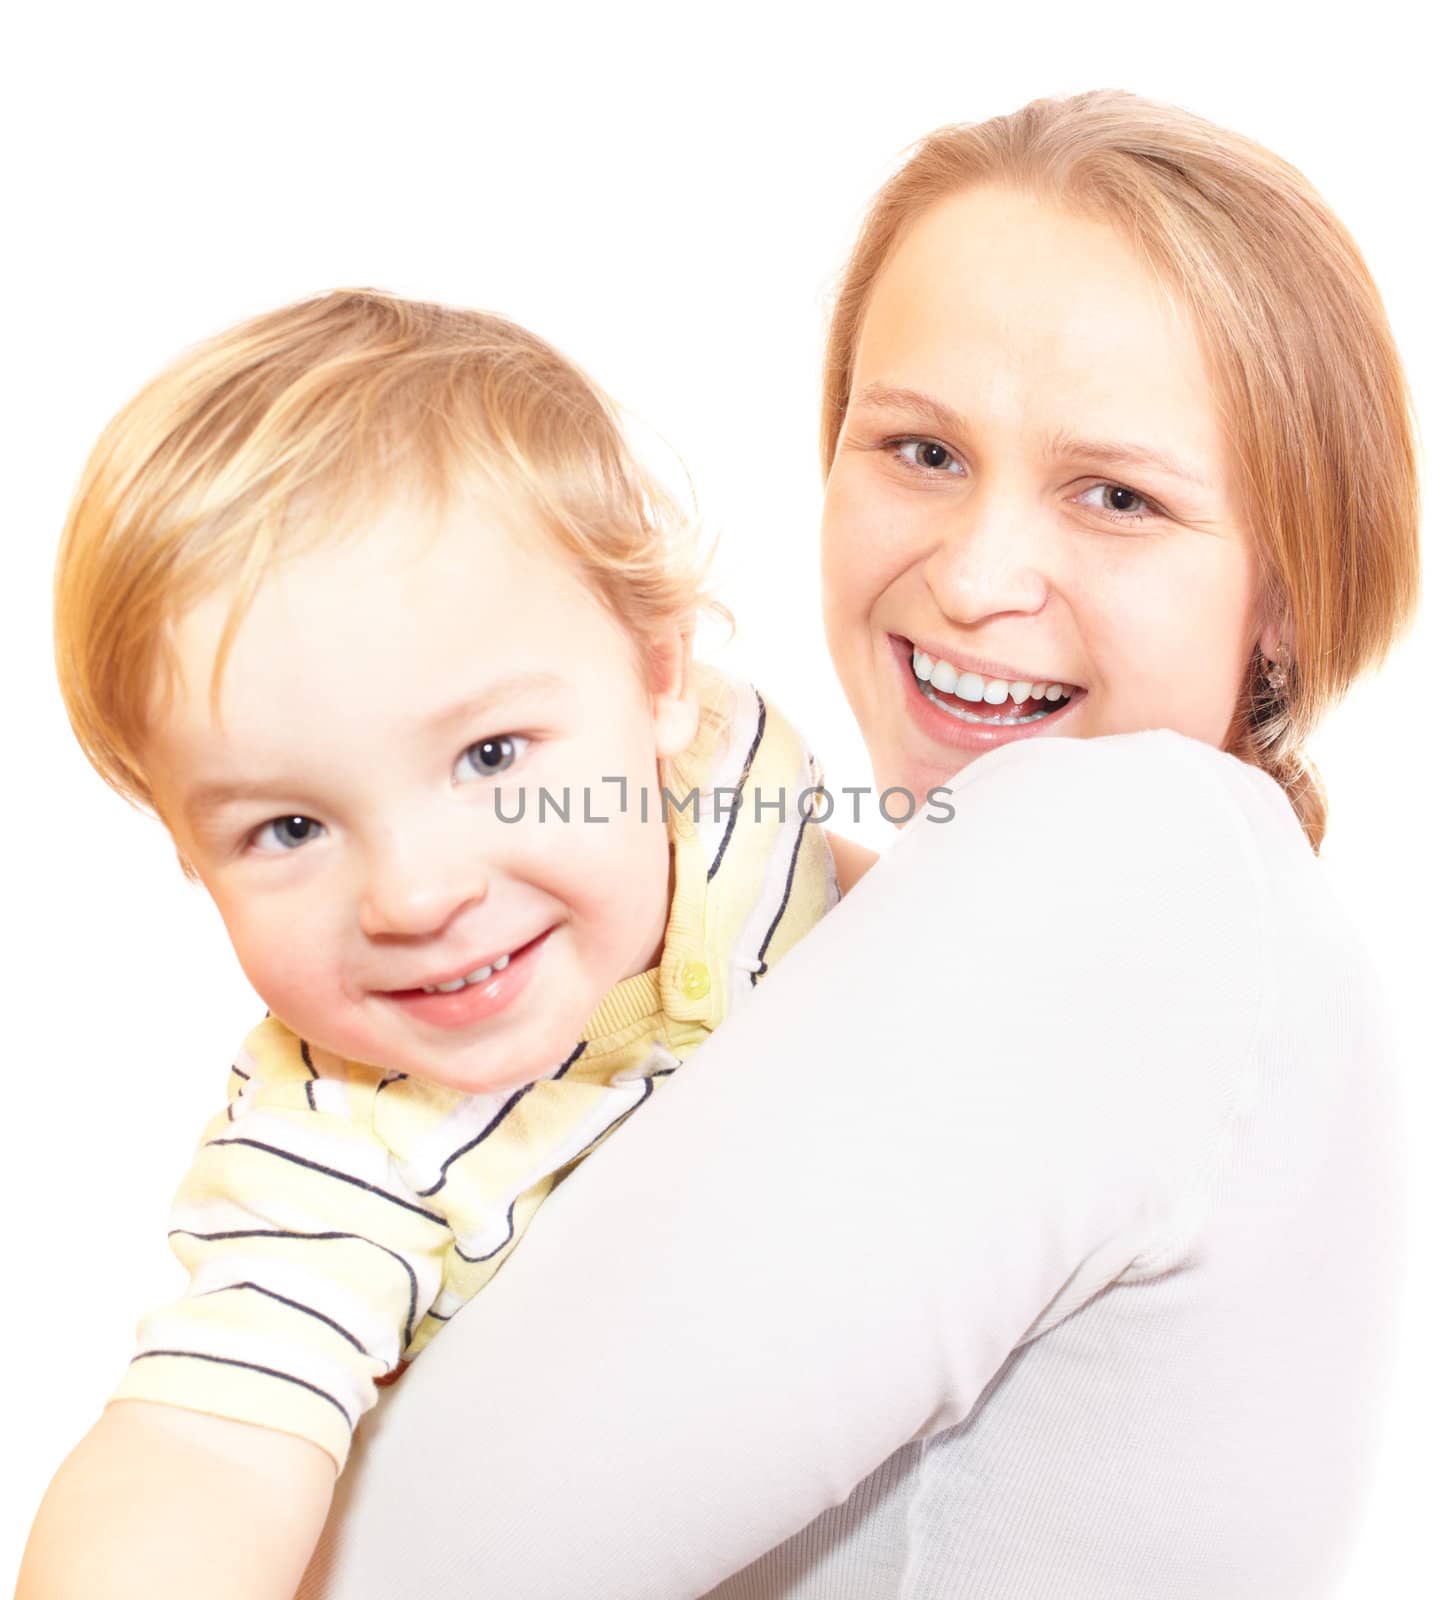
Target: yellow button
(695,980)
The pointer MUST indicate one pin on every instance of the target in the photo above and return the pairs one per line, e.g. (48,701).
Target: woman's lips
(476,1002)
(960,734)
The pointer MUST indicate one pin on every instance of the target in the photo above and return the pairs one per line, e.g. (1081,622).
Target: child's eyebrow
(500,693)
(202,802)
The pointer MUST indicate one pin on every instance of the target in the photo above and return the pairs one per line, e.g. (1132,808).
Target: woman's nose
(990,560)
(417,886)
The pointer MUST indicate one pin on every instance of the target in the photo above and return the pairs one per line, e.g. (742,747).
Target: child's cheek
(293,963)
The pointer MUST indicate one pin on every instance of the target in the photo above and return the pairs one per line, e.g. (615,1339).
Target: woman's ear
(675,703)
(1275,644)
(1272,622)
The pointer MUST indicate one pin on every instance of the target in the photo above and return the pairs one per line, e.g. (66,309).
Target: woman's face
(1031,525)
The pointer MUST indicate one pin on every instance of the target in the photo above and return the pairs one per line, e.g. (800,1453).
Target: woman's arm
(980,1089)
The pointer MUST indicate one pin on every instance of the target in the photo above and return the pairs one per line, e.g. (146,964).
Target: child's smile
(456,1001)
(365,809)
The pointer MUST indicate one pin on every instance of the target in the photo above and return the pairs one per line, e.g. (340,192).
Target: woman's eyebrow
(1125,455)
(887,397)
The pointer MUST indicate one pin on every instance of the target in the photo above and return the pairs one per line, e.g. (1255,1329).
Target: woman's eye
(1120,503)
(286,833)
(487,757)
(927,454)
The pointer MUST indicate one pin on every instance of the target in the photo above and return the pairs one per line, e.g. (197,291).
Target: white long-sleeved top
(1030,1236)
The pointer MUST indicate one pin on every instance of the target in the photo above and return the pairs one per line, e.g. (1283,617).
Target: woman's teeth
(941,675)
(478,976)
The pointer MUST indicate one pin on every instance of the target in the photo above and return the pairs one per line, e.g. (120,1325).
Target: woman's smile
(974,706)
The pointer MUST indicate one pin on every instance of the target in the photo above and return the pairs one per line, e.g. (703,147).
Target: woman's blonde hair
(290,429)
(1307,378)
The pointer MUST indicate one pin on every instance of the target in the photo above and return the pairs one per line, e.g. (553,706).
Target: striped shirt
(336,1215)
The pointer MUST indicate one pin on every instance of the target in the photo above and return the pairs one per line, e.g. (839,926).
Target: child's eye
(487,757)
(286,833)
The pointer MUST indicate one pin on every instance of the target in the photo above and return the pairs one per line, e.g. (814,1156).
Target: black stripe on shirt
(568,1063)
(287,1233)
(574,1161)
(740,785)
(610,1128)
(332,1172)
(310,1082)
(497,1120)
(295,1305)
(249,1366)
(490,1255)
(785,898)
(230,1105)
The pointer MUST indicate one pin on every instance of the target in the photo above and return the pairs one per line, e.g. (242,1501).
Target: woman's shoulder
(1129,854)
(1113,853)
(1154,768)
(1133,804)
(1147,871)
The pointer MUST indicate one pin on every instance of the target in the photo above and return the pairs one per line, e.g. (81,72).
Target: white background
(668,193)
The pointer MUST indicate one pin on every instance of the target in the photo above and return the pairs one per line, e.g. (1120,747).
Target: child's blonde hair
(283,431)
(1307,377)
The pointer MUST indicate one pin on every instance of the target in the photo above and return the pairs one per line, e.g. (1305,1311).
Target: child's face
(381,697)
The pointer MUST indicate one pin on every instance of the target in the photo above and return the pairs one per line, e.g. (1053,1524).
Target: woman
(1030,1233)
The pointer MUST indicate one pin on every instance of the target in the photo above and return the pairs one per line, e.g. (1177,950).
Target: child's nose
(415,887)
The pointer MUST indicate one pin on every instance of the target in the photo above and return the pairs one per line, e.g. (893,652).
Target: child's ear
(186,865)
(675,704)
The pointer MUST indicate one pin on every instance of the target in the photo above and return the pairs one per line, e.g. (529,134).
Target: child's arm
(169,1504)
(853,861)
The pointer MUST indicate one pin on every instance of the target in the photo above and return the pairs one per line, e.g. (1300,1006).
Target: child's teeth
(478,976)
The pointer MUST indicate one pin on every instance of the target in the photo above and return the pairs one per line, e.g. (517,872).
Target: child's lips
(473,1002)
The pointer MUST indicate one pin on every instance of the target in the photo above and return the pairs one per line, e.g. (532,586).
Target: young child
(369,602)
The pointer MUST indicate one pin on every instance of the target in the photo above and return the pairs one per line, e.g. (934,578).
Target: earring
(1277,668)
